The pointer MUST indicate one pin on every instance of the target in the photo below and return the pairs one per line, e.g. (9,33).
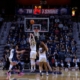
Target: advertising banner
(42,11)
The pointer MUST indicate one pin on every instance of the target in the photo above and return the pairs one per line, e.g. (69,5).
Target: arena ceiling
(49,2)
(6,3)
(9,5)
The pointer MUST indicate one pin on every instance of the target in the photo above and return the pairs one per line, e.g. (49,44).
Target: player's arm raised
(33,37)
(30,39)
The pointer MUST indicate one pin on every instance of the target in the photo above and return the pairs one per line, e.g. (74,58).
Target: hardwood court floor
(69,75)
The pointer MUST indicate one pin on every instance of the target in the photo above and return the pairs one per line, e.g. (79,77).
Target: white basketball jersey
(33,47)
(41,54)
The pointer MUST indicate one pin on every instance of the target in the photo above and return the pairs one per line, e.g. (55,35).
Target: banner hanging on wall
(42,11)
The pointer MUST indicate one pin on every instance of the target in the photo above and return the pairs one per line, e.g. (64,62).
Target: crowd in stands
(59,39)
(1,21)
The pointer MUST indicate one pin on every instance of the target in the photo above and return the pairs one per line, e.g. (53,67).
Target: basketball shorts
(33,54)
(42,59)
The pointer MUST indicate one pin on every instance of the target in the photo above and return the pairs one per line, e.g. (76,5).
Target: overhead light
(73,12)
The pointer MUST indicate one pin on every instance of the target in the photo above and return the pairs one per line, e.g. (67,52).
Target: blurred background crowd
(61,39)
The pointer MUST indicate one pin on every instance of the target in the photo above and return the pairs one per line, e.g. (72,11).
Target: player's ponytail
(43,46)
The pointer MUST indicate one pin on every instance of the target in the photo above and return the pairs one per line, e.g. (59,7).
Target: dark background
(50,2)
(9,5)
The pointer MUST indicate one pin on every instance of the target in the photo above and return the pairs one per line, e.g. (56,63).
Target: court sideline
(68,75)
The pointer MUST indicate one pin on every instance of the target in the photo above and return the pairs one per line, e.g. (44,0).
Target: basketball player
(14,60)
(33,52)
(48,65)
(42,57)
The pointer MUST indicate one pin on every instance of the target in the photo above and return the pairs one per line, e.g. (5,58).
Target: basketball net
(36,33)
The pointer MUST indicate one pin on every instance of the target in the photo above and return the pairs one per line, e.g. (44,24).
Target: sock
(47,72)
(34,67)
(20,67)
(40,71)
(10,67)
(31,68)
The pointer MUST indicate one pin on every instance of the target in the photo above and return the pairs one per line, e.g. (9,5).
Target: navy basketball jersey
(14,56)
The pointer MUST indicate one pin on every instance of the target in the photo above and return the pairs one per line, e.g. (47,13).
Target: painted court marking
(21,79)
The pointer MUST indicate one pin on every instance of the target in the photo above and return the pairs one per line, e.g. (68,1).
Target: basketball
(31,21)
